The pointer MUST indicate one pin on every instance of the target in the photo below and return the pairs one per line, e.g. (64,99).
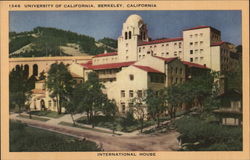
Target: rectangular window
(179,44)
(122,93)
(123,107)
(131,93)
(191,43)
(180,70)
(139,93)
(196,59)
(131,77)
(191,36)
(191,51)
(175,53)
(139,49)
(196,43)
(201,34)
(191,59)
(201,42)
(201,58)
(201,50)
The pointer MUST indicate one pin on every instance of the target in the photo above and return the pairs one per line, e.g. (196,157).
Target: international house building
(141,63)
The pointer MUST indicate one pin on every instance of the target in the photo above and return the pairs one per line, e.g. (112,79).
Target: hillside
(43,41)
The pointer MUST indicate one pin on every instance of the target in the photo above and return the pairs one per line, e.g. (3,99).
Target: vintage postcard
(124,80)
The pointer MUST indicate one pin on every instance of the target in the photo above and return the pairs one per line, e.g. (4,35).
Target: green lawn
(34,118)
(121,124)
(50,114)
(28,139)
(93,129)
(124,124)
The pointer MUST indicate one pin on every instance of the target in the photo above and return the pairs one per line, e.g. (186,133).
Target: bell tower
(134,31)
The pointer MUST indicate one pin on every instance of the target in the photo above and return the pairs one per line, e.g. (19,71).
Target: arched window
(35,70)
(130,34)
(26,70)
(126,35)
(18,68)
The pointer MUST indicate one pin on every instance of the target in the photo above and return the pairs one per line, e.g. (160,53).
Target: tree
(155,105)
(59,83)
(94,99)
(173,97)
(110,109)
(139,109)
(19,89)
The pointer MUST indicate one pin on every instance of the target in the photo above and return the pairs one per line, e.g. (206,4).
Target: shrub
(210,136)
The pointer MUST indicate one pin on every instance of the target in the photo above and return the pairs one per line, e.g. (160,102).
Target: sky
(100,24)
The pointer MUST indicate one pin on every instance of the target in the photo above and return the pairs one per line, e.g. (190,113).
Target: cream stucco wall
(166,49)
(123,82)
(153,62)
(198,41)
(76,68)
(215,58)
(105,60)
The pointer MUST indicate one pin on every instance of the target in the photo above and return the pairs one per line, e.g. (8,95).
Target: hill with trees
(44,41)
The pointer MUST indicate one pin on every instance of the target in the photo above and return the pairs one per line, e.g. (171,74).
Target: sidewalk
(109,142)
(67,118)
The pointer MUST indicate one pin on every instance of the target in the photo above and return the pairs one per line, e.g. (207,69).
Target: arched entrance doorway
(42,103)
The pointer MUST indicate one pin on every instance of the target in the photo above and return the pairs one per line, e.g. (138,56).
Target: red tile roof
(148,69)
(161,41)
(87,65)
(107,66)
(106,54)
(190,64)
(166,59)
(217,43)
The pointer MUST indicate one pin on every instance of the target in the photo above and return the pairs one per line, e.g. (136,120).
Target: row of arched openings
(128,35)
(25,68)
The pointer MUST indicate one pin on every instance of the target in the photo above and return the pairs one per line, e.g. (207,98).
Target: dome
(134,20)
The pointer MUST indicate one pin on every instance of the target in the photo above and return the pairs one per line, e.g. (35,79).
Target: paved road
(109,142)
